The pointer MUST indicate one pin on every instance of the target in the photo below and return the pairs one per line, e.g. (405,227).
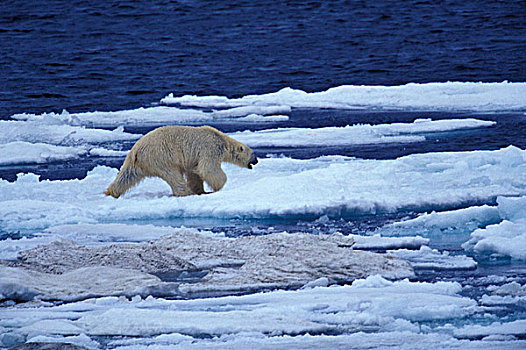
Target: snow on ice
(53,130)
(47,138)
(499,231)
(355,134)
(112,275)
(20,152)
(372,304)
(281,187)
(432,96)
(161,115)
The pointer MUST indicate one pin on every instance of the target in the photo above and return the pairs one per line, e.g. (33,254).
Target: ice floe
(402,340)
(253,118)
(46,138)
(393,310)
(55,131)
(278,260)
(512,288)
(20,152)
(92,241)
(514,329)
(430,96)
(498,231)
(355,134)
(50,139)
(277,187)
(379,242)
(506,238)
(161,115)
(512,293)
(427,258)
(103,152)
(466,219)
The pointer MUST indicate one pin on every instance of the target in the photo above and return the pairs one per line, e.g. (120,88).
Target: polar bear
(184,157)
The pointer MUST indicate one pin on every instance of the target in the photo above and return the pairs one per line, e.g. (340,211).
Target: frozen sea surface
(323,244)
(387,210)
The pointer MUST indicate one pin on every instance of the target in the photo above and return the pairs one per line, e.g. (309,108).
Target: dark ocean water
(111,55)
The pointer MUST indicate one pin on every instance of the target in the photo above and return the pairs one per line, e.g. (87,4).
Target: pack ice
(62,269)
(396,314)
(336,186)
(54,137)
(431,96)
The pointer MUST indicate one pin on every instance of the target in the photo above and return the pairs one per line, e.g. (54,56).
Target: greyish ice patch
(96,235)
(78,284)
(278,260)
(92,235)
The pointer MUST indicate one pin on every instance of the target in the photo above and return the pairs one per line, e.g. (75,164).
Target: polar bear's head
(240,154)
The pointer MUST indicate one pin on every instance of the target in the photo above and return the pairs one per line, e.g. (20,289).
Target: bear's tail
(128,176)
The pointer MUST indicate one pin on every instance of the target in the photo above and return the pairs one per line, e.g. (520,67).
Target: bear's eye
(241,149)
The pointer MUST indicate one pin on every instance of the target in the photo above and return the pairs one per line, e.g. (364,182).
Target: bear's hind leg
(195,183)
(127,177)
(177,182)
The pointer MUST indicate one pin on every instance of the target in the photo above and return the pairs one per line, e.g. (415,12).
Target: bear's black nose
(253,161)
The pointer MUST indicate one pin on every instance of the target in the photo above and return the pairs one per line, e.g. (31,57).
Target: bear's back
(184,142)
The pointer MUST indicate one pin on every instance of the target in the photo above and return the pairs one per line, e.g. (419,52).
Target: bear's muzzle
(253,161)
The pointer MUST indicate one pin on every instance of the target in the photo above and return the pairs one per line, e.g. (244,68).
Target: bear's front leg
(215,178)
